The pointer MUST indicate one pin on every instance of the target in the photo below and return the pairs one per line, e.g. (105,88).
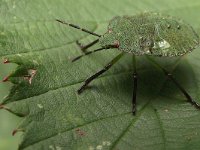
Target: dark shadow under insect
(116,59)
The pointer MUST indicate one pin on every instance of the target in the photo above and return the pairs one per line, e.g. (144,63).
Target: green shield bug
(143,34)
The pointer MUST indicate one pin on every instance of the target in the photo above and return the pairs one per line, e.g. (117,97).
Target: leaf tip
(11,111)
(5,79)
(16,131)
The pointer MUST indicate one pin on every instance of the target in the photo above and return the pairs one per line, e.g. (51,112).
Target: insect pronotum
(149,34)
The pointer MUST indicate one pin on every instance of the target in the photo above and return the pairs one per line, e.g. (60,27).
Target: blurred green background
(8,121)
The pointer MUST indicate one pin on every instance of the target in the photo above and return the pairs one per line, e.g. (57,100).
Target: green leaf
(8,121)
(56,117)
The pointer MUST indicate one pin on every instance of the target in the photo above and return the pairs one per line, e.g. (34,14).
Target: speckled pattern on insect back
(151,34)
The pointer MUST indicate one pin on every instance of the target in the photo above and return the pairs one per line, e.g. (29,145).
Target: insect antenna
(79,28)
(91,52)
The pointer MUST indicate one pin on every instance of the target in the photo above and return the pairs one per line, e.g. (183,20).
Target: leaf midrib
(129,126)
(75,83)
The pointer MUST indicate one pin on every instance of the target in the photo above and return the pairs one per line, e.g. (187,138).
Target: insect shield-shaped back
(151,34)
(174,38)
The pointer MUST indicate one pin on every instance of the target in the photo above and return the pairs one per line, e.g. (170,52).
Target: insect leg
(189,98)
(90,52)
(134,87)
(91,78)
(79,28)
(85,47)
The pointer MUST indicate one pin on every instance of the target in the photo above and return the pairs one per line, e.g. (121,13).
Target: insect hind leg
(170,76)
(134,87)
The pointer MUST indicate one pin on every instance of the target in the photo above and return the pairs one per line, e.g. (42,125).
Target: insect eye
(149,43)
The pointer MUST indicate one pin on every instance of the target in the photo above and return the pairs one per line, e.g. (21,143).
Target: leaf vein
(129,126)
(87,123)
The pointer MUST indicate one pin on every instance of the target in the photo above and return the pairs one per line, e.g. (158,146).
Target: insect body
(150,34)
(143,34)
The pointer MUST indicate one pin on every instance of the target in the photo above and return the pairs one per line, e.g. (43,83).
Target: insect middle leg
(85,47)
(108,66)
(170,76)
(134,87)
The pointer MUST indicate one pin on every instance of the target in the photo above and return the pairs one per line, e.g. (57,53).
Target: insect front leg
(108,66)
(170,76)
(85,47)
(89,53)
(134,87)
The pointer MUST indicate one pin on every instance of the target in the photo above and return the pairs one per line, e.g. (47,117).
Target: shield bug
(149,34)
